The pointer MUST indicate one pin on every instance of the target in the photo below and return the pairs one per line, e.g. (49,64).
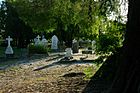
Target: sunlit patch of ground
(23,78)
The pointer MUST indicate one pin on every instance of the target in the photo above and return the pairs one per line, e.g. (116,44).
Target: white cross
(9,39)
(38,37)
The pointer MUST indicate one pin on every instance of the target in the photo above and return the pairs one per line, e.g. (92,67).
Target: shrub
(108,44)
(37,49)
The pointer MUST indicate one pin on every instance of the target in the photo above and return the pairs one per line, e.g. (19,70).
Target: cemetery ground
(45,74)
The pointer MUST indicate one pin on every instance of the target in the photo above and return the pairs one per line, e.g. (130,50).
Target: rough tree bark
(127,79)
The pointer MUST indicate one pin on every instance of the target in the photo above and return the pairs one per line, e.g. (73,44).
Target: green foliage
(18,52)
(90,71)
(12,25)
(110,37)
(71,19)
(59,15)
(65,17)
(34,12)
(37,49)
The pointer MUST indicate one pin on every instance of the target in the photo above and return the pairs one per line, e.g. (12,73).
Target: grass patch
(18,52)
(90,71)
(2,51)
(37,49)
(8,62)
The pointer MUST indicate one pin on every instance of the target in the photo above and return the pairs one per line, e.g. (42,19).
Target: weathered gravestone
(93,44)
(9,51)
(69,53)
(37,40)
(88,47)
(44,41)
(54,43)
(75,46)
(61,46)
(80,43)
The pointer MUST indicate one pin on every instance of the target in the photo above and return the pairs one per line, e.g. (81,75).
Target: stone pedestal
(9,52)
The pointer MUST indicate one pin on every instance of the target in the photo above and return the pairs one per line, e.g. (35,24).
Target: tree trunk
(127,79)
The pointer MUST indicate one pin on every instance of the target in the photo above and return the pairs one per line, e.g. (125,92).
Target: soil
(46,75)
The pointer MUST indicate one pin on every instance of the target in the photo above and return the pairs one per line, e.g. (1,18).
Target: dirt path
(43,76)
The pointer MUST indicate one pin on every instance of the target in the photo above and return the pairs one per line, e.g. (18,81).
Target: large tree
(127,79)
(125,64)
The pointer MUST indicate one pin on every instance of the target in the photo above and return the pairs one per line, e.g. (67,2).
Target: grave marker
(9,51)
(37,40)
(68,53)
(44,41)
(54,43)
(75,46)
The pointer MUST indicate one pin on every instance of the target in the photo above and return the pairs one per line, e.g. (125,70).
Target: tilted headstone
(37,40)
(54,43)
(9,50)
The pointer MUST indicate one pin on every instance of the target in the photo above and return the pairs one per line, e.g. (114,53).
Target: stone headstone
(74,41)
(37,40)
(54,43)
(75,46)
(9,50)
(68,53)
(61,46)
(93,44)
(44,41)
(80,43)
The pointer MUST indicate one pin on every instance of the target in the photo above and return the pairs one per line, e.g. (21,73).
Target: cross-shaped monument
(9,40)
(9,50)
(38,37)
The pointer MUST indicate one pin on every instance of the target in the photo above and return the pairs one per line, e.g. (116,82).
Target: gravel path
(43,75)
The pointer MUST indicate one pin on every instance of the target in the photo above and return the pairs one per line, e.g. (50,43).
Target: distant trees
(82,19)
(69,19)
(2,18)
(12,25)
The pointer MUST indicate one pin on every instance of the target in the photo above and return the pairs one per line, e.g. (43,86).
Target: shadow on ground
(61,61)
(22,59)
(102,79)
